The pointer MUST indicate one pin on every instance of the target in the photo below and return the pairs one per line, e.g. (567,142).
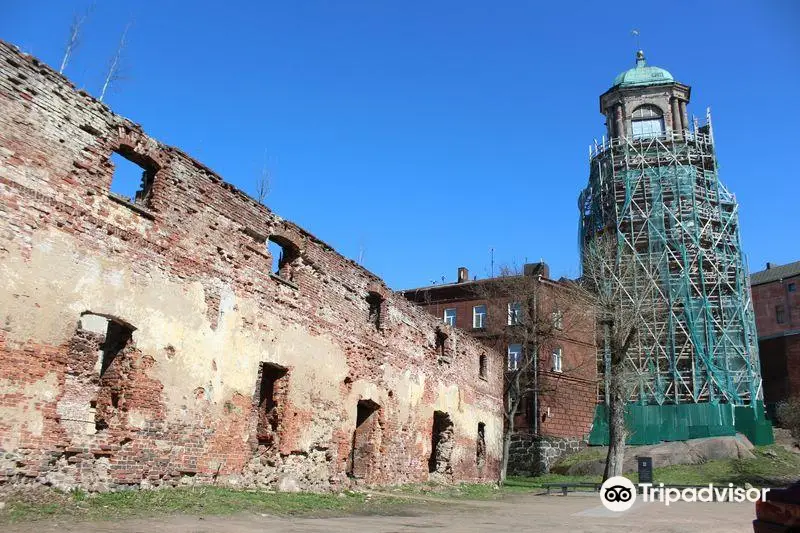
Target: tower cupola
(645,101)
(642,75)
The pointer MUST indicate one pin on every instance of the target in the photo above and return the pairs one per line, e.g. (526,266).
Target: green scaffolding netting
(651,424)
(698,356)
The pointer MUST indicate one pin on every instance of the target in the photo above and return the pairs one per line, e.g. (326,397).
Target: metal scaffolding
(662,197)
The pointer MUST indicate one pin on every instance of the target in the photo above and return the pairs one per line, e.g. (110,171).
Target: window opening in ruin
(792,287)
(482,366)
(133,175)
(364,447)
(442,443)
(480,456)
(441,345)
(283,254)
(375,302)
(117,337)
(270,388)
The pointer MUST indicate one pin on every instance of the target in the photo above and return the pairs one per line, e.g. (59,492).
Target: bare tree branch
(115,65)
(74,37)
(608,272)
(537,315)
(264,182)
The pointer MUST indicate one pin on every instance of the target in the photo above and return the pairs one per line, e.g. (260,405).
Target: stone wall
(531,455)
(147,341)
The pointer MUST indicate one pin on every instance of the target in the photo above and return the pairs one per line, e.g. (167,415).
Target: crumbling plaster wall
(188,268)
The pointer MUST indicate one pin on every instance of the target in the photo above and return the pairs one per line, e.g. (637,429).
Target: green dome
(641,74)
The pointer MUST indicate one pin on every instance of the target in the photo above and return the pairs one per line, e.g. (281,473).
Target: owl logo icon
(618,494)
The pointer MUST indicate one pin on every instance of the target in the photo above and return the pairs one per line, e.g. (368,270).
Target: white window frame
(558,359)
(647,121)
(479,318)
(445,318)
(515,349)
(514,313)
(558,319)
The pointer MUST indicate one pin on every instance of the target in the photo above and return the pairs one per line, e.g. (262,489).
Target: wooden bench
(566,486)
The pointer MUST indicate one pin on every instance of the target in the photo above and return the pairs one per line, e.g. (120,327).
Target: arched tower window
(647,121)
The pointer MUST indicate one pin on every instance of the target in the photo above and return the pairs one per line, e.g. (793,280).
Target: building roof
(775,273)
(641,74)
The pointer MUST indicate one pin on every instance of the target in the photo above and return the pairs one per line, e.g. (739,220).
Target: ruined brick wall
(147,342)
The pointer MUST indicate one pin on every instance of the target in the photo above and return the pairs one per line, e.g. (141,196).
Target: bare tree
(74,37)
(263,185)
(115,65)
(534,315)
(609,274)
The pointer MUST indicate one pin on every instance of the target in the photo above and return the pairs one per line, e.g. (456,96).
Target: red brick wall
(69,247)
(779,344)
(766,297)
(774,371)
(570,395)
(792,347)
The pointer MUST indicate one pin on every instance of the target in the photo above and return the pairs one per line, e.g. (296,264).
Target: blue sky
(420,135)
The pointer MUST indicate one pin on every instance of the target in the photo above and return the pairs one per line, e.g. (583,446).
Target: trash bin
(645,469)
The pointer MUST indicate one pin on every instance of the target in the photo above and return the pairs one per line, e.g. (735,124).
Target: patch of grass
(200,500)
(537,482)
(488,491)
(473,491)
(587,454)
(771,466)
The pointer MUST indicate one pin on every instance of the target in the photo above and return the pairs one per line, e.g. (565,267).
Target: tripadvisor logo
(619,494)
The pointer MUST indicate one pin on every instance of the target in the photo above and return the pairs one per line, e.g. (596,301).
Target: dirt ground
(573,513)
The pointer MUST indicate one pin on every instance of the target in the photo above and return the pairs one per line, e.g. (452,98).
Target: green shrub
(789,416)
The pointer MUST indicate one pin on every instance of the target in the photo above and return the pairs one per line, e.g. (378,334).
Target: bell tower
(655,195)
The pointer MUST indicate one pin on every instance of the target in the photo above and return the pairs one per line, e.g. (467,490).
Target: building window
(450,316)
(792,287)
(364,448)
(514,313)
(479,317)
(514,356)
(271,392)
(557,358)
(482,366)
(558,320)
(375,302)
(520,410)
(133,175)
(480,455)
(647,121)
(780,314)
(283,253)
(441,346)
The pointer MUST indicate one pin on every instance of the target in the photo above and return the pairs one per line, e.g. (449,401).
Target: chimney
(537,269)
(769,265)
(463,275)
